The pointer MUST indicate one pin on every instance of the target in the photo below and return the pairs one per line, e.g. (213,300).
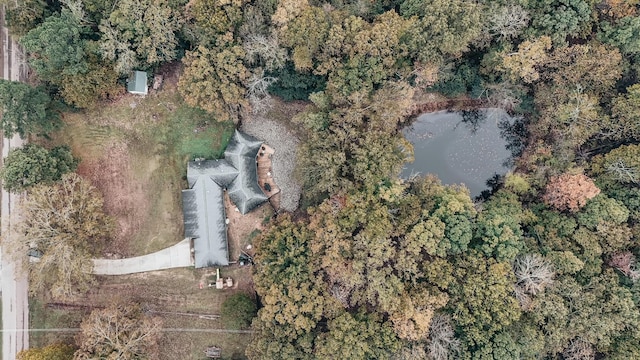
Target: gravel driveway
(285,144)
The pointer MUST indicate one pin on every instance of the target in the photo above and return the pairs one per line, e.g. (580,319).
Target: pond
(459,147)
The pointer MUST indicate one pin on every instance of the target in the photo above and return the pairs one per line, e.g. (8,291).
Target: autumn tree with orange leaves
(569,192)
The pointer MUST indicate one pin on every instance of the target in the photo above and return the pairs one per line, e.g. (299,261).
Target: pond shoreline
(459,104)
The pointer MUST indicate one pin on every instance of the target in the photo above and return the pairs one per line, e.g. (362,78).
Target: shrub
(237,311)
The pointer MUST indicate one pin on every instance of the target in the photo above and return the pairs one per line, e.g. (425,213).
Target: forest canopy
(374,266)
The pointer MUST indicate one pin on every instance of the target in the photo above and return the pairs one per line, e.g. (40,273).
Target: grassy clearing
(135,152)
(170,293)
(195,135)
(41,317)
(191,345)
(177,291)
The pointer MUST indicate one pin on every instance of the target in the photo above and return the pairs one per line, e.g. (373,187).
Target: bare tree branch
(257,92)
(507,22)
(442,342)
(533,274)
(579,349)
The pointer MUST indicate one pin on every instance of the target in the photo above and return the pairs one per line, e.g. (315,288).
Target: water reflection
(466,147)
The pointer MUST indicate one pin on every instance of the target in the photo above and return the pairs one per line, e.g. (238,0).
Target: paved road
(178,255)
(212,331)
(13,281)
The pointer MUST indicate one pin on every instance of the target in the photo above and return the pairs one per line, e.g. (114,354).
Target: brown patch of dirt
(452,104)
(125,199)
(430,102)
(243,228)
(171,73)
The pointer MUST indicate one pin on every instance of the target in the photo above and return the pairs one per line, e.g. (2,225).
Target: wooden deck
(265,174)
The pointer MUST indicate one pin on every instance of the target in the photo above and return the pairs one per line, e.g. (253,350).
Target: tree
(482,298)
(560,19)
(358,139)
(569,192)
(25,109)
(444,28)
(617,9)
(358,56)
(304,29)
(140,33)
(237,311)
(57,47)
(593,67)
(573,82)
(25,15)
(524,64)
(569,120)
(66,225)
(58,351)
(597,313)
(359,336)
(622,34)
(293,297)
(265,51)
(507,22)
(620,165)
(497,227)
(533,273)
(442,343)
(371,259)
(215,18)
(501,346)
(257,92)
(32,164)
(99,83)
(579,349)
(213,80)
(120,331)
(625,262)
(626,112)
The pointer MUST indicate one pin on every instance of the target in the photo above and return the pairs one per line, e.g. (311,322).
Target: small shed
(137,83)
(213,352)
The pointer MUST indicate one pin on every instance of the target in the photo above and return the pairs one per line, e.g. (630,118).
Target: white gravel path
(285,145)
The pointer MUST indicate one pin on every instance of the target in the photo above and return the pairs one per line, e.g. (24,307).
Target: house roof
(137,83)
(203,203)
(204,221)
(244,191)
(219,170)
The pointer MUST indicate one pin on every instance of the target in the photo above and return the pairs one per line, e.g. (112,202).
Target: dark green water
(459,149)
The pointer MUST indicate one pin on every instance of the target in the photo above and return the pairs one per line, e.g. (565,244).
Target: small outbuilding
(213,352)
(137,83)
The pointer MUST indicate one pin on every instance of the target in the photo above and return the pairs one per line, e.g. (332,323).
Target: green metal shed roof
(137,83)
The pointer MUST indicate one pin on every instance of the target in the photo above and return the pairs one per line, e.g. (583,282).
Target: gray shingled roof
(204,221)
(241,153)
(219,170)
(203,203)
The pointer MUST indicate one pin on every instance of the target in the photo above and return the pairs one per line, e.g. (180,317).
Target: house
(203,202)
(137,83)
